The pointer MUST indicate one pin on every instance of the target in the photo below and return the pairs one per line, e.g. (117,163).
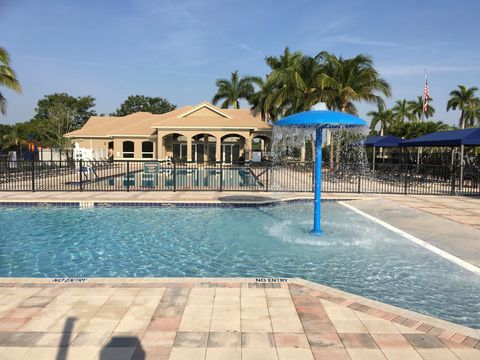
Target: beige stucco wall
(163,147)
(94,143)
(118,147)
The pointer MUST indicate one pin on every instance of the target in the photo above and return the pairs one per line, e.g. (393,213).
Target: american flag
(425,95)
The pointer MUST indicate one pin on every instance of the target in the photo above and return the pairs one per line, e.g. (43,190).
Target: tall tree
(60,119)
(462,99)
(402,110)
(346,81)
(259,101)
(417,108)
(294,81)
(234,89)
(81,107)
(14,139)
(382,116)
(8,78)
(472,113)
(137,103)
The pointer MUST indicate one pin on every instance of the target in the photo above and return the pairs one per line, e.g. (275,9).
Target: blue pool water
(186,178)
(355,254)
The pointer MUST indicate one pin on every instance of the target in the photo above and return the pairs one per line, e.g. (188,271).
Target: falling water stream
(350,156)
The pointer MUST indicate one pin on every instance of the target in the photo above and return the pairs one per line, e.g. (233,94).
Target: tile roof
(204,115)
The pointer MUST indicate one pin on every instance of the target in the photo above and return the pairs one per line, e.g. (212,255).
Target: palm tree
(417,108)
(346,81)
(382,116)
(13,139)
(260,101)
(8,78)
(233,89)
(293,81)
(472,112)
(402,110)
(462,98)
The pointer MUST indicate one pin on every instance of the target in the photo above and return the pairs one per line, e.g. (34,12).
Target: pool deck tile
(216,319)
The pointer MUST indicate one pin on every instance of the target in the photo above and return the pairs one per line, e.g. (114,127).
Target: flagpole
(424,84)
(419,149)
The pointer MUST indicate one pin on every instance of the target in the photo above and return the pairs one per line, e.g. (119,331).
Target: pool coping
(163,203)
(414,321)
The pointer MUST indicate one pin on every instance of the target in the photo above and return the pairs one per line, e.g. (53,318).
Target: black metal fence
(242,176)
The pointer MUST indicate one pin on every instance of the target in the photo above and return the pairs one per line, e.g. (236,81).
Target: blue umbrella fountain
(319,120)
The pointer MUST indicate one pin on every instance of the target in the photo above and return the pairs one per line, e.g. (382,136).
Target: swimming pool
(185,178)
(355,255)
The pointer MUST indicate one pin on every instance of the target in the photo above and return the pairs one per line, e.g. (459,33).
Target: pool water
(186,178)
(355,255)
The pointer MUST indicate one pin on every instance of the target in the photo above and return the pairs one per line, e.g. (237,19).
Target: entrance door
(230,152)
(180,151)
(198,151)
(211,152)
(227,153)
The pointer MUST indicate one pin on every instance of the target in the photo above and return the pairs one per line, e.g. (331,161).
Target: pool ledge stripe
(456,260)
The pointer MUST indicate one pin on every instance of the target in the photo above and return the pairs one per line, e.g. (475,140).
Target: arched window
(128,149)
(147,150)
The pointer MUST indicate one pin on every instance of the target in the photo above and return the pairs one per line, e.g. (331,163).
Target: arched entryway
(232,148)
(175,146)
(261,145)
(203,148)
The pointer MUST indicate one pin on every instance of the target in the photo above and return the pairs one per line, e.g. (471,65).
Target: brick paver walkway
(188,321)
(461,209)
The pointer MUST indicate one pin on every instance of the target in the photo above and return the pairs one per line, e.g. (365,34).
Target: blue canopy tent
(446,138)
(382,141)
(453,138)
(388,141)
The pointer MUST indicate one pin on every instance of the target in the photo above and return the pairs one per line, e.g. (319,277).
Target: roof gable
(205,109)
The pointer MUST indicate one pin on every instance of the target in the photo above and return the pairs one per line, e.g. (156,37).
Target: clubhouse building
(194,133)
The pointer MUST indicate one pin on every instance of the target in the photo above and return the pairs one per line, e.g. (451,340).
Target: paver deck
(212,319)
(448,232)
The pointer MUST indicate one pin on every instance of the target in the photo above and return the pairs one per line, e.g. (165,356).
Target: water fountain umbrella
(319,120)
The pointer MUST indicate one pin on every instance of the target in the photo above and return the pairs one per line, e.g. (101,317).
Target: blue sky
(176,49)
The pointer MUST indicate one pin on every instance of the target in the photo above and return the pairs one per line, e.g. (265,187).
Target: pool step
(86,204)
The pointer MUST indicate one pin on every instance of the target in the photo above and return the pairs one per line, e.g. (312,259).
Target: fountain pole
(318,183)
(318,120)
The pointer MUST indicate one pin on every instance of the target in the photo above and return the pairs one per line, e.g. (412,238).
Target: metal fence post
(81,174)
(221,176)
(174,175)
(359,183)
(33,175)
(268,166)
(405,182)
(454,175)
(128,176)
